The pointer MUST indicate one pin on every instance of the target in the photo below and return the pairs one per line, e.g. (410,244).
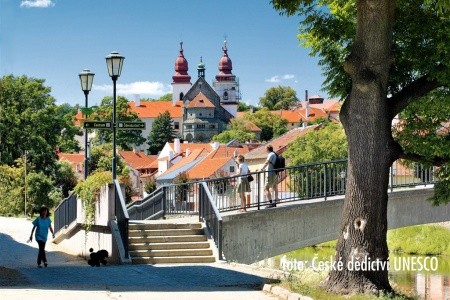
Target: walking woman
(243,185)
(42,224)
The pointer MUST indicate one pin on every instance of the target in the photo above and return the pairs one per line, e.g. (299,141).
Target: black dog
(98,257)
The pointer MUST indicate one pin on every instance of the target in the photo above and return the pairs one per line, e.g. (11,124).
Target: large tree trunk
(367,122)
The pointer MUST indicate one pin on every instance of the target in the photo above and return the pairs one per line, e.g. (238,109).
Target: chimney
(188,151)
(137,100)
(215,145)
(176,145)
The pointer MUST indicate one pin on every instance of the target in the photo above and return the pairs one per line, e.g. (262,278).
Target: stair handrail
(66,212)
(122,217)
(209,213)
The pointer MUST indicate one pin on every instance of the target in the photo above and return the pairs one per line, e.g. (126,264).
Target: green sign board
(97,125)
(131,125)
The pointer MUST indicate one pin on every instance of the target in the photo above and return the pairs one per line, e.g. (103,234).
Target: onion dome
(225,65)
(181,68)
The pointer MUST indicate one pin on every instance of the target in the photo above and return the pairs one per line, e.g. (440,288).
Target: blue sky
(56,39)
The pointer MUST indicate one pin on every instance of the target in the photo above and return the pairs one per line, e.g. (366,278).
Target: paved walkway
(69,277)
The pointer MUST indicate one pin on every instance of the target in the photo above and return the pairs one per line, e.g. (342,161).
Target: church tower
(226,84)
(181,79)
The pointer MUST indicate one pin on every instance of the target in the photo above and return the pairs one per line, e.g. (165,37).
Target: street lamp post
(114,62)
(86,79)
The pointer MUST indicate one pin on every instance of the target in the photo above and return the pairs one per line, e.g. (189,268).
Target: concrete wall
(76,241)
(257,235)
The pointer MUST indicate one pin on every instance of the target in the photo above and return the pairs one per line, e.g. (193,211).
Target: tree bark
(366,118)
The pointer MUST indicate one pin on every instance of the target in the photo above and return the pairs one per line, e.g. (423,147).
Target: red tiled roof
(207,167)
(191,146)
(138,160)
(279,143)
(195,154)
(224,151)
(75,159)
(152,109)
(200,101)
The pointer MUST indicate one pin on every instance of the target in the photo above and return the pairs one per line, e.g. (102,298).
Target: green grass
(420,240)
(307,283)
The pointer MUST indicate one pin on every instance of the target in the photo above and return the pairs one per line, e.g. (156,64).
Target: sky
(56,39)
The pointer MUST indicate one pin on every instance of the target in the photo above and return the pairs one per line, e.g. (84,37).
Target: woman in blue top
(42,224)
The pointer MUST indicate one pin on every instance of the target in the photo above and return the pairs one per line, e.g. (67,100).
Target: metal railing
(65,212)
(301,182)
(211,216)
(121,214)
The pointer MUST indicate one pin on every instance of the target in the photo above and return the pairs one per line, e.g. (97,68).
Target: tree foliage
(380,57)
(231,134)
(281,97)
(125,139)
(12,199)
(66,142)
(161,133)
(28,121)
(272,125)
(325,144)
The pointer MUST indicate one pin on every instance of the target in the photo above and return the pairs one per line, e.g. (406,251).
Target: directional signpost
(131,125)
(109,125)
(97,125)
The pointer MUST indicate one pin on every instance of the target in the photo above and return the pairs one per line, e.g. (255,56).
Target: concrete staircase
(156,243)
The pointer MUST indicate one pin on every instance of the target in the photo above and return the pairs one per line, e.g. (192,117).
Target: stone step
(167,239)
(159,226)
(174,259)
(165,232)
(170,253)
(165,246)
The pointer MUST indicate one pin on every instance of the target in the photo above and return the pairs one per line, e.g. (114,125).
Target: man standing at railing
(271,178)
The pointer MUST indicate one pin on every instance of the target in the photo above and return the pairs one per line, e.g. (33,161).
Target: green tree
(272,125)
(166,97)
(325,144)
(28,121)
(380,57)
(161,133)
(39,187)
(12,201)
(66,140)
(242,106)
(65,177)
(101,160)
(125,139)
(231,134)
(281,97)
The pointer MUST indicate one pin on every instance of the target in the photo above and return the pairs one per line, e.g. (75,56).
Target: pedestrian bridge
(260,234)
(309,211)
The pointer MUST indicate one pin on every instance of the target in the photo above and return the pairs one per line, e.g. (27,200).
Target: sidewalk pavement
(70,277)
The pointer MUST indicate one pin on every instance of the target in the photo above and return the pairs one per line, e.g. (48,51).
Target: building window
(200,114)
(212,126)
(189,126)
(181,96)
(225,96)
(200,125)
(232,169)
(176,125)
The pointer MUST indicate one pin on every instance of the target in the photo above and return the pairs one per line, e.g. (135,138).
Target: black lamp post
(114,62)
(86,79)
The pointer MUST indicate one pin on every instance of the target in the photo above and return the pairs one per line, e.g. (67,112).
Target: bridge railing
(65,213)
(209,213)
(301,182)
(121,214)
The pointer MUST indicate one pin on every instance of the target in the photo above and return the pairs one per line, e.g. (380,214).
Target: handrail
(66,212)
(122,216)
(209,213)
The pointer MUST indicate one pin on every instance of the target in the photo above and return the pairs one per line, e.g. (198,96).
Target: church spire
(201,68)
(181,68)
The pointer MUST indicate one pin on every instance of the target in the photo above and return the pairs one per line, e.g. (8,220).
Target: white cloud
(277,78)
(288,76)
(139,87)
(273,79)
(37,3)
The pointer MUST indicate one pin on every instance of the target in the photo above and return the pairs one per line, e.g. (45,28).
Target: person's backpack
(280,162)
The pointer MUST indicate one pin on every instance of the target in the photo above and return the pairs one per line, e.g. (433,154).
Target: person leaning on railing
(271,178)
(243,185)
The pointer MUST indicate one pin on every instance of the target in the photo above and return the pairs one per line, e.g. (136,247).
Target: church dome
(225,64)
(181,68)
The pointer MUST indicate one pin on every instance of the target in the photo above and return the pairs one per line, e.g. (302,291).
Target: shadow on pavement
(72,273)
